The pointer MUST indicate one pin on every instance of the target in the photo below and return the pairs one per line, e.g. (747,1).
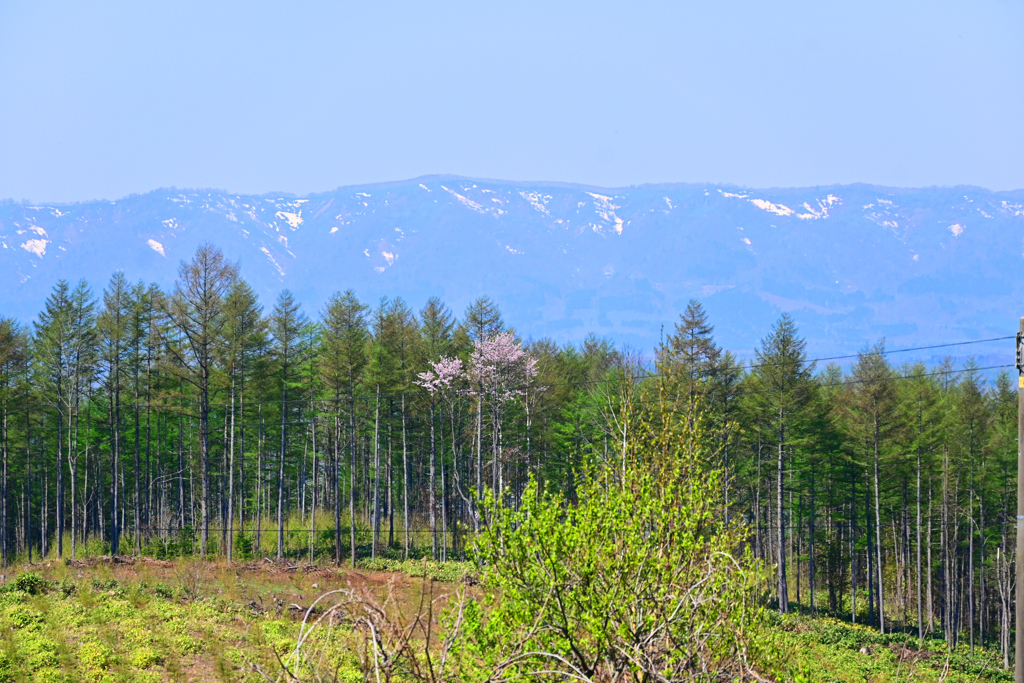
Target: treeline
(194,420)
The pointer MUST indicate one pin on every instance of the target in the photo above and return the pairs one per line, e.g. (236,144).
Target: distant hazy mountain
(851,263)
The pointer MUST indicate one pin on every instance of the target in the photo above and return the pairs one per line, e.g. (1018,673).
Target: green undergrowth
(101,630)
(448,572)
(826,650)
(201,622)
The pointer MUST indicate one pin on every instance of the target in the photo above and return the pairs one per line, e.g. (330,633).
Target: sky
(107,98)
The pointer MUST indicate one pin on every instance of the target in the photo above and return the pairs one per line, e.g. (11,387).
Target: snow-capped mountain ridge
(851,263)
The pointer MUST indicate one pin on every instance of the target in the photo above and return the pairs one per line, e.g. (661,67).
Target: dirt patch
(906,655)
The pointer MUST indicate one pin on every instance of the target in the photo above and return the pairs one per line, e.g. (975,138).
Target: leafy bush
(31,583)
(638,580)
(102,586)
(145,657)
(448,572)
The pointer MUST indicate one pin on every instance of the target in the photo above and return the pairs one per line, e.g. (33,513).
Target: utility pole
(1018,654)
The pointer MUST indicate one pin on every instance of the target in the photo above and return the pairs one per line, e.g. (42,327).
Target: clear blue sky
(101,99)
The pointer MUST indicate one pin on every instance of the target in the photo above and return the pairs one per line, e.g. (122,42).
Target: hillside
(852,263)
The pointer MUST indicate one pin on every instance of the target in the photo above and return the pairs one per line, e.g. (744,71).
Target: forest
(197,421)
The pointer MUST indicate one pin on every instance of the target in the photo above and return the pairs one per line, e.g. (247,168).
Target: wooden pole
(1018,655)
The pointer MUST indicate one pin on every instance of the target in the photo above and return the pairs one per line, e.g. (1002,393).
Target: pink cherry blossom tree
(501,370)
(446,379)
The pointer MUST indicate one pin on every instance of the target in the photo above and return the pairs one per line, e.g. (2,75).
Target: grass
(152,620)
(827,650)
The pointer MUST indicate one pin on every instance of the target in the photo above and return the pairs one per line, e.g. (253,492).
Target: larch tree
(874,402)
(114,346)
(286,326)
(437,326)
(245,340)
(782,388)
(482,320)
(197,313)
(63,331)
(344,338)
(14,366)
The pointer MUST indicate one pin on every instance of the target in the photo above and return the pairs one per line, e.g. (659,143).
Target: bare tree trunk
(231,476)
(479,455)
(376,475)
(405,480)
(313,501)
(920,606)
(928,546)
(812,568)
(433,484)
(280,471)
(878,535)
(352,470)
(783,588)
(259,512)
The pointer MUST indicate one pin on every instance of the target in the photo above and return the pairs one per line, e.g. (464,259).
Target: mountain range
(851,264)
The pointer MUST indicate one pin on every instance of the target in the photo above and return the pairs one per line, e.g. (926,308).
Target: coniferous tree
(245,341)
(14,367)
(114,333)
(437,326)
(782,388)
(343,357)
(286,325)
(482,321)
(873,402)
(196,309)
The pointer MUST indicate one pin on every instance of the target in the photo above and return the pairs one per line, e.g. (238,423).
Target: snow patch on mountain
(537,201)
(822,211)
(779,209)
(37,247)
(465,201)
(293,219)
(273,261)
(606,210)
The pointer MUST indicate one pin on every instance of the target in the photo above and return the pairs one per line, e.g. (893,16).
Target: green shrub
(31,583)
(104,586)
(145,657)
(94,656)
(23,616)
(639,576)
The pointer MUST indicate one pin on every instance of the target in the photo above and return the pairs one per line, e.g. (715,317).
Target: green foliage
(641,576)
(105,585)
(448,572)
(31,583)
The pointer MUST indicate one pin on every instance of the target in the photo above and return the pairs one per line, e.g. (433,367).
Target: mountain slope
(851,263)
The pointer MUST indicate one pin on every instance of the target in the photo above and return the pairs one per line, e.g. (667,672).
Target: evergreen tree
(14,366)
(286,326)
(873,403)
(196,309)
(782,388)
(343,357)
(245,333)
